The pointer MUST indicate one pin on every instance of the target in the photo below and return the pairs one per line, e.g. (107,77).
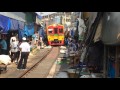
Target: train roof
(56,25)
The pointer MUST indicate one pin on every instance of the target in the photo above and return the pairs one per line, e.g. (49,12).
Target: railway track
(42,67)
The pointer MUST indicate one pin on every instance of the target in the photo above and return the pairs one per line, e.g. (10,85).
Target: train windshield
(61,30)
(55,30)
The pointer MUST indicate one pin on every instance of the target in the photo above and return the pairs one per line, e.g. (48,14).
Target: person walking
(25,50)
(18,51)
(14,50)
(13,37)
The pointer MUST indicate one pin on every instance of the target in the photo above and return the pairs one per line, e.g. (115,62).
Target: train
(55,34)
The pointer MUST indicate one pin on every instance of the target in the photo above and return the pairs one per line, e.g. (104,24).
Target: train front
(55,34)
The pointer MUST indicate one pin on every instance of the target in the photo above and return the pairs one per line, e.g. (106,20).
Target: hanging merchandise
(83,55)
(92,18)
(76,31)
(90,39)
(97,36)
(14,24)
(81,29)
(4,24)
(72,33)
(76,23)
(91,32)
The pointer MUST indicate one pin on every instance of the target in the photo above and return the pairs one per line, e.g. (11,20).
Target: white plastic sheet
(5,59)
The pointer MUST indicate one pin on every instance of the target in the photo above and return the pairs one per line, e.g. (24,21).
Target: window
(50,31)
(55,30)
(61,30)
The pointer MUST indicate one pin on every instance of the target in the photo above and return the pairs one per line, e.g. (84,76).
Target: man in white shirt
(25,50)
(14,50)
(12,38)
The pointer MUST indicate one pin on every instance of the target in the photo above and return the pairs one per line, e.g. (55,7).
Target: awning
(14,15)
(21,25)
(29,29)
(40,17)
(14,24)
(4,23)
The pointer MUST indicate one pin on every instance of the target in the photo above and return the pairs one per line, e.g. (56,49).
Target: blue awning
(14,24)
(21,25)
(29,29)
(4,23)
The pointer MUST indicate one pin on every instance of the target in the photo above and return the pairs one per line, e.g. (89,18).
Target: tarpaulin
(14,24)
(29,29)
(23,33)
(21,30)
(4,23)
(20,25)
(41,33)
(38,16)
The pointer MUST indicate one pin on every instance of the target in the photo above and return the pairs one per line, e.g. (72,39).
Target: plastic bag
(5,59)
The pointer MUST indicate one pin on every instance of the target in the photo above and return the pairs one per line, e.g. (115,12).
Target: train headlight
(54,25)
